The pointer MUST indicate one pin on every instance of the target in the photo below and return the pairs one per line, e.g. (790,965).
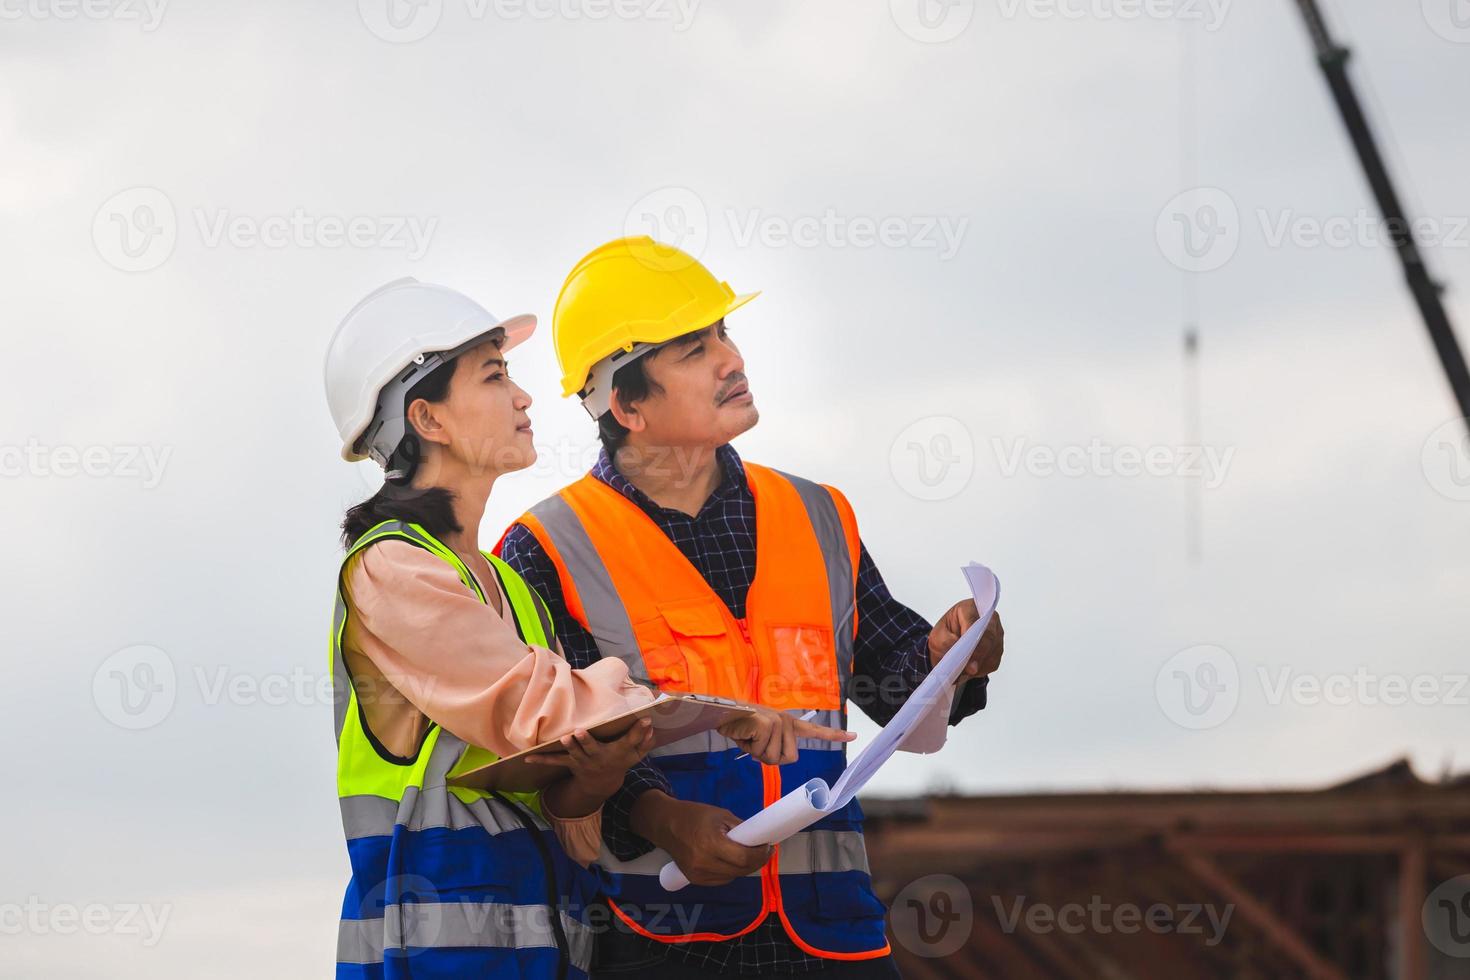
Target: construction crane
(1333,58)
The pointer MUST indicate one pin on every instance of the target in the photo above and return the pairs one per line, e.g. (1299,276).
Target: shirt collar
(732,482)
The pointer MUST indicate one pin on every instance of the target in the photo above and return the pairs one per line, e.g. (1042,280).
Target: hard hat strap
(596,394)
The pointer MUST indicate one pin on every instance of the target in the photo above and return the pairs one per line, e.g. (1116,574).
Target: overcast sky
(967,225)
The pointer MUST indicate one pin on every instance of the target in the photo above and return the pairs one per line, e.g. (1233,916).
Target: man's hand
(947,632)
(770,735)
(696,837)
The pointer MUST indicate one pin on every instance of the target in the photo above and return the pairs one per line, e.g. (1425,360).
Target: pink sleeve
(581,837)
(465,667)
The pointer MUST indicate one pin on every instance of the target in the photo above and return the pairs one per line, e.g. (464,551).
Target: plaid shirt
(890,652)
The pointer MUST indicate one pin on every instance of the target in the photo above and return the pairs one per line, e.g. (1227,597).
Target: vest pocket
(688,648)
(804,672)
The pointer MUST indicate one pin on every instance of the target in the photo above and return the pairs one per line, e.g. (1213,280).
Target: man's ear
(628,415)
(420,415)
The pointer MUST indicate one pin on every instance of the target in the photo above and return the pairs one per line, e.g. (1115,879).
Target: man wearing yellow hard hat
(706,573)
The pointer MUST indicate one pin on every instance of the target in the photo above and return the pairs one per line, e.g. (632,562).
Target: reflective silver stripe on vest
(431,806)
(607,618)
(377,816)
(713,741)
(461,925)
(341,683)
(808,852)
(821,510)
(818,851)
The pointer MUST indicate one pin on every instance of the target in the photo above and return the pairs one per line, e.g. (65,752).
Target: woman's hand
(770,735)
(596,767)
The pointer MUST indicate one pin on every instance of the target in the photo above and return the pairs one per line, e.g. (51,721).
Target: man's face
(699,394)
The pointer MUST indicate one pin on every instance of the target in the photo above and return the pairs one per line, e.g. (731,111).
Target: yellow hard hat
(631,292)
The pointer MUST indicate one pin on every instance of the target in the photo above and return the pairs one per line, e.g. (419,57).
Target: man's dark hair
(630,383)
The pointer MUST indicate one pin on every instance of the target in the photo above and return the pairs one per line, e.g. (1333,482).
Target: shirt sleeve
(465,667)
(580,837)
(891,653)
(521,551)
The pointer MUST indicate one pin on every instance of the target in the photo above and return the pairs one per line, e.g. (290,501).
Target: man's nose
(732,360)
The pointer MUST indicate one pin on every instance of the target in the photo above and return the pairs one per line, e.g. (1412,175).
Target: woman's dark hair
(630,383)
(430,507)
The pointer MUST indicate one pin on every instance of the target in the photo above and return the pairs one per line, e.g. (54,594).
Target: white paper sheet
(808,803)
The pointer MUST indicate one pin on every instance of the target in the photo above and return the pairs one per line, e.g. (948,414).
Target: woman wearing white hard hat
(443,658)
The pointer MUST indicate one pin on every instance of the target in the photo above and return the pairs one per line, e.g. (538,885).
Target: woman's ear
(420,415)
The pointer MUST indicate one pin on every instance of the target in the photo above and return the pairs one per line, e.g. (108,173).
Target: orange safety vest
(628,584)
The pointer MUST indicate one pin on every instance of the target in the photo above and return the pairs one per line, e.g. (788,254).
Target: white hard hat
(390,341)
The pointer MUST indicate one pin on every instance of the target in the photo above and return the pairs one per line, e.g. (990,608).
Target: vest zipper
(563,945)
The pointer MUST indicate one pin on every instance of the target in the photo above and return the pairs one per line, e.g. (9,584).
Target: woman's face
(482,422)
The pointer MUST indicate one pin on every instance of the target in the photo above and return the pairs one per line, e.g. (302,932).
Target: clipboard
(674,716)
